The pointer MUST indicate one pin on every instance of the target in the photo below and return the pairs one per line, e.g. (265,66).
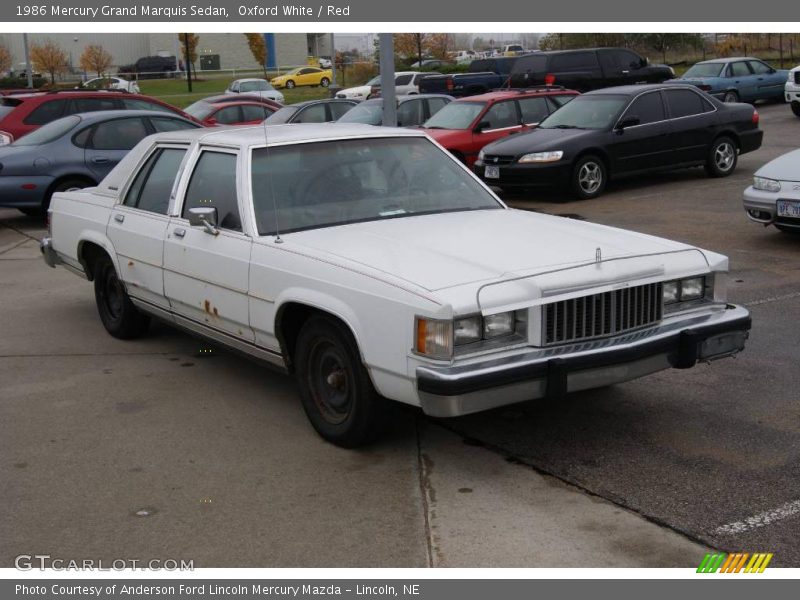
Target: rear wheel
(588,177)
(324,82)
(722,157)
(118,314)
(730,96)
(290,84)
(336,391)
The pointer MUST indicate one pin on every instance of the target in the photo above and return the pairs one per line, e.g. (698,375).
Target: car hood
(537,140)
(440,251)
(783,168)
(360,89)
(445,135)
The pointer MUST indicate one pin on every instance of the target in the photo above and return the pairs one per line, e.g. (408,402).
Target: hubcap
(113,294)
(590,177)
(329,381)
(724,155)
(729,97)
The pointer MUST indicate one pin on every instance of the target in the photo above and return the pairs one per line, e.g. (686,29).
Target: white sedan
(255,87)
(774,196)
(111,83)
(792,90)
(372,265)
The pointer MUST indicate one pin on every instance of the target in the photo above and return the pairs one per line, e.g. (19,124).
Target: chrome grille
(797,76)
(600,315)
(497,159)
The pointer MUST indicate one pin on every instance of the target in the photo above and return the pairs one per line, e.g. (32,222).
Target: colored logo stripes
(738,562)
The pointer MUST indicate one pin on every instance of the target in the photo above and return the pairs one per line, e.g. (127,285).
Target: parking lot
(166,447)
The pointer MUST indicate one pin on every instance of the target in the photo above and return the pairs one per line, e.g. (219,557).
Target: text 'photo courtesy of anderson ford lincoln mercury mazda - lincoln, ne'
(373,265)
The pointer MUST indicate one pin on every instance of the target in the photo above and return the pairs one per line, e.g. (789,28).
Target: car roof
(404,97)
(323,101)
(632,90)
(248,79)
(727,59)
(101,115)
(73,93)
(517,93)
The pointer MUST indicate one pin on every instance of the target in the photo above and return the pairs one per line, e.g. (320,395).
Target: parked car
(405,82)
(312,111)
(303,76)
(466,125)
(110,83)
(255,87)
(484,75)
(22,113)
(587,69)
(463,57)
(512,50)
(359,92)
(792,90)
(624,131)
(372,265)
(243,112)
(740,79)
(222,98)
(430,63)
(411,110)
(152,67)
(325,62)
(774,196)
(74,152)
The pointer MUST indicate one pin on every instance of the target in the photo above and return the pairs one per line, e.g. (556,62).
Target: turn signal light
(755,117)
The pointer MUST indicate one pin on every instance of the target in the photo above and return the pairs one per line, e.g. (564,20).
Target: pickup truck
(484,75)
(372,265)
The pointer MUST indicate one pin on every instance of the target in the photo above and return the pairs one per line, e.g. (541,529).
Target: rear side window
(312,114)
(153,184)
(410,113)
(684,103)
(119,134)
(338,109)
(502,114)
(228,115)
(739,69)
(533,109)
(649,108)
(759,68)
(46,112)
(402,79)
(251,112)
(213,183)
(573,61)
(80,105)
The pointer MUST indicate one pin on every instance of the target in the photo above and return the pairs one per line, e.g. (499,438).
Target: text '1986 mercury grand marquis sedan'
(372,265)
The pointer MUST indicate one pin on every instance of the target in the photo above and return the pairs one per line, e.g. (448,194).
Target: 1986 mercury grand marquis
(372,265)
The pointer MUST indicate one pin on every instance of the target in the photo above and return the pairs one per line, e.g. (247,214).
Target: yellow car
(303,76)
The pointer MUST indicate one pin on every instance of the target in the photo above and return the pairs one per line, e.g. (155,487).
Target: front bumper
(762,206)
(454,390)
(554,174)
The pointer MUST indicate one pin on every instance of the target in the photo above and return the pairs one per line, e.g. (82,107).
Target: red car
(466,125)
(222,111)
(23,113)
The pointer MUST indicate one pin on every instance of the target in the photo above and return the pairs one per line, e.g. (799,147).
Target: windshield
(586,112)
(199,110)
(456,115)
(255,86)
(324,184)
(705,70)
(370,113)
(47,133)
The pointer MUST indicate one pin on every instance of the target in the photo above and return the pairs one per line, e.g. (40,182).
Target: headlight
(499,324)
(467,330)
(684,290)
(767,185)
(481,155)
(692,289)
(542,157)
(671,292)
(438,338)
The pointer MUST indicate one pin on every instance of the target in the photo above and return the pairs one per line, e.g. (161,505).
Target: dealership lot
(166,447)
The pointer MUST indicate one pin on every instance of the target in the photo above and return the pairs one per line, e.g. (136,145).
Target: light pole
(28,66)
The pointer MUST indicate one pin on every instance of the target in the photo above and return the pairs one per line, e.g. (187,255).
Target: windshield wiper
(562,126)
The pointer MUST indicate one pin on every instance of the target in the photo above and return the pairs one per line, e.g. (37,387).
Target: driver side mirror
(205,217)
(628,121)
(481,126)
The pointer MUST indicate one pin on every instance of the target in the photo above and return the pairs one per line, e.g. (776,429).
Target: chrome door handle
(119,218)
(179,232)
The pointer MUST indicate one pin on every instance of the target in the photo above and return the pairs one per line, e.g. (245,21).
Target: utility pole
(387,80)
(333,62)
(28,66)
(187,60)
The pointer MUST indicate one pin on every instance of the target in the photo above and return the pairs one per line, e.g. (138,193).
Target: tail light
(549,79)
(755,117)
(449,84)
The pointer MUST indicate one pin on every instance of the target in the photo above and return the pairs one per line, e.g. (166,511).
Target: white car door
(206,275)
(138,225)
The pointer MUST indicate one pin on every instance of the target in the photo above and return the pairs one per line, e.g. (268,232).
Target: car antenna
(278,239)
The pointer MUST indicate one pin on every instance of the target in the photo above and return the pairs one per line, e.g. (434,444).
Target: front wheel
(730,96)
(588,177)
(336,391)
(324,82)
(722,158)
(118,314)
(290,84)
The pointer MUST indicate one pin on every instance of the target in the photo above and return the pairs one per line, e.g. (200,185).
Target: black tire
(722,157)
(731,96)
(289,84)
(796,108)
(337,393)
(324,82)
(118,314)
(589,176)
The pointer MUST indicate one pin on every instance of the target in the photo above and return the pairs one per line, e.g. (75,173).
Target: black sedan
(623,131)
(311,111)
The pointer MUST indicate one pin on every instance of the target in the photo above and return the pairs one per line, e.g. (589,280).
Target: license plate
(785,208)
(492,172)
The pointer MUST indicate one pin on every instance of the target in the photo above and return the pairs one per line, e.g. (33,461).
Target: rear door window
(46,112)
(253,112)
(502,114)
(739,69)
(152,187)
(338,109)
(648,107)
(119,134)
(312,114)
(228,115)
(533,110)
(684,103)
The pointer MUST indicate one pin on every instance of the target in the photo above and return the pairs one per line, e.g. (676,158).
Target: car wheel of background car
(588,177)
(336,391)
(118,314)
(730,96)
(722,158)
(290,84)
(796,108)
(324,82)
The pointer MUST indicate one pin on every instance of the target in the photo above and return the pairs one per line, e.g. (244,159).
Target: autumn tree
(6,59)
(258,48)
(96,59)
(50,58)
(191,40)
(420,45)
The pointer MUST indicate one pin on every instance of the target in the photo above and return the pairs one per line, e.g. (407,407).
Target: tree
(50,58)
(6,60)
(420,45)
(190,39)
(96,59)
(258,48)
